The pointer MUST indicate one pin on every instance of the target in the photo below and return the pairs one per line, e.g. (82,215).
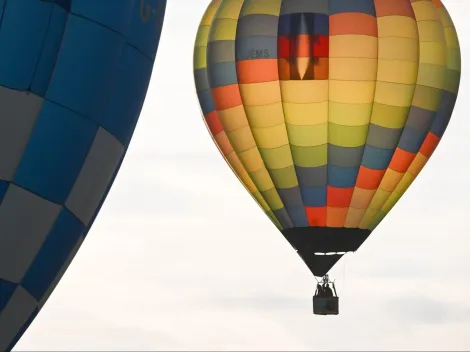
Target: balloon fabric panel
(327,110)
(73,78)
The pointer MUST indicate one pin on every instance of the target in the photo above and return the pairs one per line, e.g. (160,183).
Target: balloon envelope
(326,110)
(73,78)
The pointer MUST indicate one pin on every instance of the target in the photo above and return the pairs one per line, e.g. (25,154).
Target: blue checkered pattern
(73,78)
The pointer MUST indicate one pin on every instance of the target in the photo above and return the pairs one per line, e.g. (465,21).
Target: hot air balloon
(73,78)
(326,110)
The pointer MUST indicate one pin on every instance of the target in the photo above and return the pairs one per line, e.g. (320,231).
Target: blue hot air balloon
(73,79)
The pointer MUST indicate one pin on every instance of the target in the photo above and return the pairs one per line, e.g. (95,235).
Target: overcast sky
(182,258)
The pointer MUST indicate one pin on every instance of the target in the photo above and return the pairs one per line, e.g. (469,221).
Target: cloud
(261,301)
(95,332)
(426,310)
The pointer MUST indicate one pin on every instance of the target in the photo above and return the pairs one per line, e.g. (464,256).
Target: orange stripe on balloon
(257,71)
(316,216)
(339,197)
(213,122)
(226,97)
(429,144)
(369,178)
(353,23)
(401,160)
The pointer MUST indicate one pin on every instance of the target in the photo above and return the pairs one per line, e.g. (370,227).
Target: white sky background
(181,258)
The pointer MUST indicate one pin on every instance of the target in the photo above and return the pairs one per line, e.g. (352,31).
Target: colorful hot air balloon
(73,78)
(326,110)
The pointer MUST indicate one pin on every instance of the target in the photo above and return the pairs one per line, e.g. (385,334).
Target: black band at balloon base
(310,240)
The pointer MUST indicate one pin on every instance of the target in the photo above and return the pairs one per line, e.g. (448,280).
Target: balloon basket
(325,305)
